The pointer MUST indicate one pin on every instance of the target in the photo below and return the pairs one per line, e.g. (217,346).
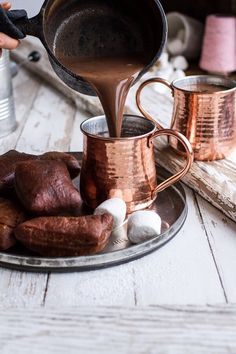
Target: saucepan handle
(138,97)
(16,24)
(189,157)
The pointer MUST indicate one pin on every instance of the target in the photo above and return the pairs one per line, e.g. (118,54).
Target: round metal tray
(170,205)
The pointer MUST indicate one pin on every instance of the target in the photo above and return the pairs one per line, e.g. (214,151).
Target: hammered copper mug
(204,112)
(124,167)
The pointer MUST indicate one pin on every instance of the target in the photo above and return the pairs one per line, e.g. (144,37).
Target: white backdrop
(31,6)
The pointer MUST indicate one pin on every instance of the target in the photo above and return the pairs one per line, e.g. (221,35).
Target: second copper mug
(124,167)
(204,112)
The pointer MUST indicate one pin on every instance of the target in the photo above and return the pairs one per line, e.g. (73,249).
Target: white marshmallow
(143,226)
(164,60)
(175,46)
(177,74)
(116,207)
(165,73)
(179,62)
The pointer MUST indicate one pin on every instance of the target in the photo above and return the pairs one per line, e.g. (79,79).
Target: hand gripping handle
(16,24)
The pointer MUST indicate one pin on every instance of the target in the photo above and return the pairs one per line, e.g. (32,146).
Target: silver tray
(170,205)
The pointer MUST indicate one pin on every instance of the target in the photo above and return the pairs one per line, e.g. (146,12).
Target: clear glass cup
(7,109)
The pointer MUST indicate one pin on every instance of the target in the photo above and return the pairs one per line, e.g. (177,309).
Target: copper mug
(124,167)
(204,112)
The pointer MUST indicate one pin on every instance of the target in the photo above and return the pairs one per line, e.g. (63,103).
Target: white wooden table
(179,299)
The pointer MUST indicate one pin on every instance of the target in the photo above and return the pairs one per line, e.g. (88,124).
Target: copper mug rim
(173,86)
(222,81)
(102,138)
(215,80)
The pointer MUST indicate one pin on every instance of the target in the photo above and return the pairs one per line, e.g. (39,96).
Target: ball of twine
(219,45)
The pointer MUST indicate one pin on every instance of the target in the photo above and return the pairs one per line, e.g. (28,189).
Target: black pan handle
(16,24)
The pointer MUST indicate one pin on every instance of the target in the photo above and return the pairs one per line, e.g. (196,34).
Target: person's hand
(7,42)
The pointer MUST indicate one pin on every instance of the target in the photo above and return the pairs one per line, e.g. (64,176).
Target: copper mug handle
(189,158)
(168,132)
(138,97)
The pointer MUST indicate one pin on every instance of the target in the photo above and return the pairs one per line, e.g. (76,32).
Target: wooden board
(214,181)
(106,330)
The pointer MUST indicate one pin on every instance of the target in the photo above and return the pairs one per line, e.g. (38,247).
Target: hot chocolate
(93,33)
(206,88)
(111,78)
(108,50)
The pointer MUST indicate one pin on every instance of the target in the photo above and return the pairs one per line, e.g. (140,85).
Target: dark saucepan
(89,28)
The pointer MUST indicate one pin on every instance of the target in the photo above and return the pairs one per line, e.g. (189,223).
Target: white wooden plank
(195,330)
(221,234)
(24,77)
(76,143)
(49,125)
(109,287)
(18,289)
(183,271)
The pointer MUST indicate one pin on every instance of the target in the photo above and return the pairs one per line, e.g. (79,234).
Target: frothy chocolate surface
(207,88)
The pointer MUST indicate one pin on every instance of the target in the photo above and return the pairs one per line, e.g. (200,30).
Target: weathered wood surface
(220,233)
(215,181)
(182,272)
(197,267)
(195,330)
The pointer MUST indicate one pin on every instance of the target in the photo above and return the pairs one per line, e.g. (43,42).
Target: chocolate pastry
(66,236)
(45,187)
(11,214)
(71,162)
(8,163)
